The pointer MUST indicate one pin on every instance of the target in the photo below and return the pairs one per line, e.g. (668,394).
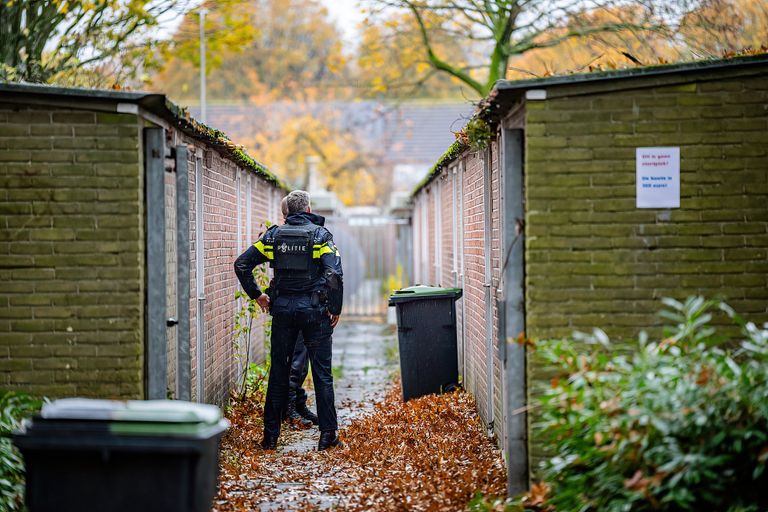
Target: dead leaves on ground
(430,454)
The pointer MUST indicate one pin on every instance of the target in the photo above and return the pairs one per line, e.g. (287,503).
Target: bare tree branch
(436,61)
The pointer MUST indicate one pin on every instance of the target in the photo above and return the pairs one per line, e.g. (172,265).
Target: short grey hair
(297,201)
(284,206)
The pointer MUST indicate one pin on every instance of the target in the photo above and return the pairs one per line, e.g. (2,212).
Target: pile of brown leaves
(246,417)
(428,454)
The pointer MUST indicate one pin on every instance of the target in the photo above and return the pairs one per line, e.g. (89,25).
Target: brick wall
(71,252)
(222,212)
(593,259)
(171,262)
(447,210)
(470,183)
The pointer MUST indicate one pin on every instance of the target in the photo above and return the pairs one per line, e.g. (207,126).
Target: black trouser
(291,316)
(299,370)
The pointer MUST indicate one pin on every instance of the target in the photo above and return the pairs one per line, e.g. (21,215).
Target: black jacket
(324,251)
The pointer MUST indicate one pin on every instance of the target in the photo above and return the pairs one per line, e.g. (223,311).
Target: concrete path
(364,360)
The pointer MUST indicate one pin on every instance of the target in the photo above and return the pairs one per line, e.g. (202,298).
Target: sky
(347,15)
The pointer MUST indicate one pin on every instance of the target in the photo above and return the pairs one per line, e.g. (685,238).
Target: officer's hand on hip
(263,302)
(334,319)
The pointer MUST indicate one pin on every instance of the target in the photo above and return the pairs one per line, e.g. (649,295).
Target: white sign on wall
(658,177)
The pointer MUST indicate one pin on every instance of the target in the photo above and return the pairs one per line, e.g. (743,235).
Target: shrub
(680,424)
(13,407)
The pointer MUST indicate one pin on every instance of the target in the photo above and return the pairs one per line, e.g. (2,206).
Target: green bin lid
(422,292)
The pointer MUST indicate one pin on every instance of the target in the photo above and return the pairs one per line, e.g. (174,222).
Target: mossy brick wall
(71,253)
(592,258)
(447,210)
(474,277)
(223,209)
(471,262)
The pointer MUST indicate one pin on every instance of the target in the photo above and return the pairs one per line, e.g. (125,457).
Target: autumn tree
(503,29)
(717,27)
(76,42)
(292,49)
(714,28)
(229,27)
(391,63)
(347,169)
(619,48)
(287,67)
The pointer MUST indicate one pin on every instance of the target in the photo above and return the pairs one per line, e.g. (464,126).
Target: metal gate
(371,244)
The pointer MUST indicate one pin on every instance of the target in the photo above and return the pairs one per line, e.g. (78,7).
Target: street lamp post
(203,106)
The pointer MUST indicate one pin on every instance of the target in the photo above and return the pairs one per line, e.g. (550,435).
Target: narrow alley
(364,362)
(298,477)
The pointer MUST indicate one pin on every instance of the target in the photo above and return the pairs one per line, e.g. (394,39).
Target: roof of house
(505,93)
(395,133)
(157,104)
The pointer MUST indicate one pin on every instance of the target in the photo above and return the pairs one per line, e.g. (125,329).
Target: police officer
(306,298)
(297,411)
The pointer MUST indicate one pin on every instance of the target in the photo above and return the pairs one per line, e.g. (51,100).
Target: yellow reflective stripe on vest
(266,250)
(319,250)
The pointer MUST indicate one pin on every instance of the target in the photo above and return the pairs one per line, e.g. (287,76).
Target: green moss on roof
(220,141)
(759,56)
(158,104)
(454,151)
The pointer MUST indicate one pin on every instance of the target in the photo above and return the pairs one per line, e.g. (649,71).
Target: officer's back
(305,298)
(296,269)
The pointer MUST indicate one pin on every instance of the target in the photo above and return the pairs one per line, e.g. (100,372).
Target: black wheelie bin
(426,332)
(104,455)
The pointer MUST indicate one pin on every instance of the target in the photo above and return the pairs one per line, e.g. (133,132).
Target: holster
(319,297)
(272,293)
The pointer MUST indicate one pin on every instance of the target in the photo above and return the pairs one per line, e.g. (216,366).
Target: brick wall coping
(157,104)
(717,66)
(507,93)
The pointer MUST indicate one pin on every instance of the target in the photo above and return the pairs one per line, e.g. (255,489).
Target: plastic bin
(101,455)
(426,332)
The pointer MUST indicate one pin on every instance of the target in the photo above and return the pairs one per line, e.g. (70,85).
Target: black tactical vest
(293,261)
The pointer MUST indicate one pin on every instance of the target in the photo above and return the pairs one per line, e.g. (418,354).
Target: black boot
(328,439)
(305,413)
(292,416)
(268,442)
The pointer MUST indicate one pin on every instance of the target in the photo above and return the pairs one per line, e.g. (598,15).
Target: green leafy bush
(679,424)
(13,407)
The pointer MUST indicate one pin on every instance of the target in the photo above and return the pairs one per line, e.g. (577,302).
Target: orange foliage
(723,27)
(604,50)
(263,50)
(430,453)
(392,61)
(716,28)
(345,168)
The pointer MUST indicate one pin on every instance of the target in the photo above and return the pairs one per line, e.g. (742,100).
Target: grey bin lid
(422,292)
(156,411)
(140,417)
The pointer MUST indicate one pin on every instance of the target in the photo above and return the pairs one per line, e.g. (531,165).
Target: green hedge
(13,407)
(677,424)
